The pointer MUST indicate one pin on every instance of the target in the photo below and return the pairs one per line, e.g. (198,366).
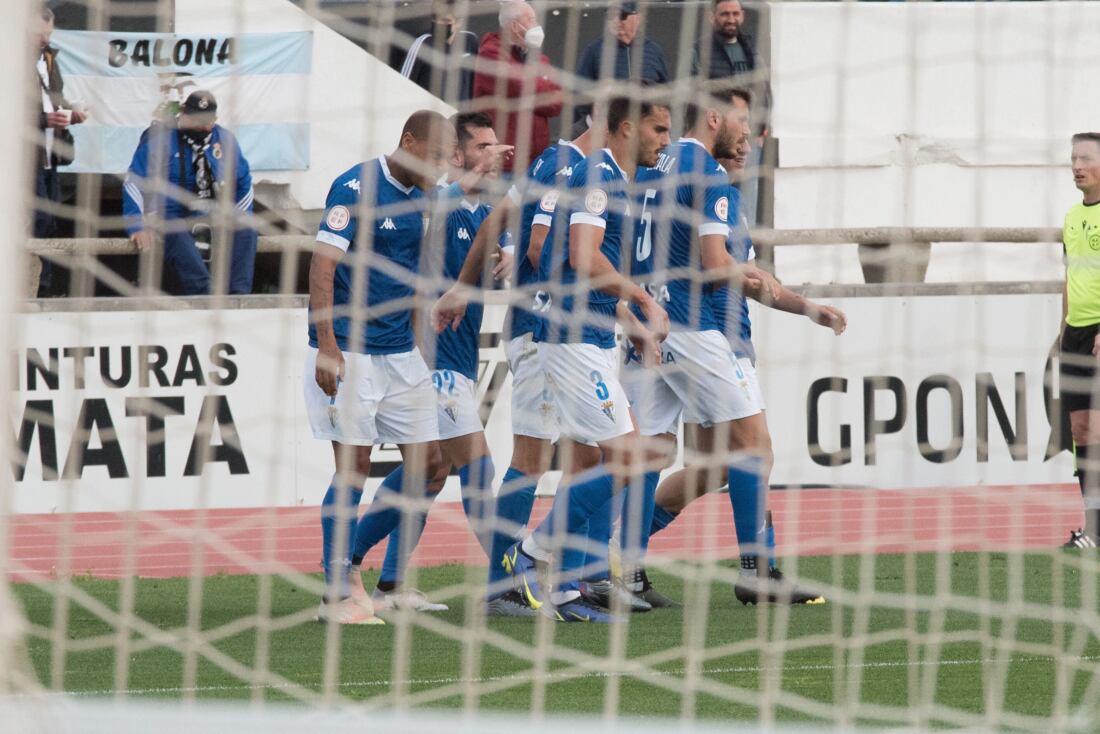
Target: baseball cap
(200,103)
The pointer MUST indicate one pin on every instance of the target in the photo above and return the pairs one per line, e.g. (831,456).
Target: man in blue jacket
(623,22)
(171,191)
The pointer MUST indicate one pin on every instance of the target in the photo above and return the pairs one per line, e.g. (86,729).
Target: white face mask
(534,37)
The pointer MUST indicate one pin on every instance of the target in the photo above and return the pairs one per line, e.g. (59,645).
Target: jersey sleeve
(593,197)
(716,206)
(340,222)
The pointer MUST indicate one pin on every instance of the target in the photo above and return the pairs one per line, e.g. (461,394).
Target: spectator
(441,60)
(731,55)
(511,70)
(55,144)
(171,190)
(623,22)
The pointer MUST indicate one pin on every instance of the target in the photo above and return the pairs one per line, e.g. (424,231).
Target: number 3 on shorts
(602,392)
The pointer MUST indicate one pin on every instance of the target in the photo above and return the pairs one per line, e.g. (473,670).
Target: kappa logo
(463,234)
(566,172)
(606,165)
(353,185)
(388,225)
(608,408)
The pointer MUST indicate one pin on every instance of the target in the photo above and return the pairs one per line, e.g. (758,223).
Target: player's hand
(835,319)
(760,284)
(330,368)
(656,318)
(449,310)
(503,267)
(1095,345)
(646,345)
(143,240)
(495,157)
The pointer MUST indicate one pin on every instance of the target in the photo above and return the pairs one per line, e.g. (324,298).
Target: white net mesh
(173,335)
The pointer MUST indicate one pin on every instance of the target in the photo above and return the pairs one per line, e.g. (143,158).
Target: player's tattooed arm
(330,361)
(789,301)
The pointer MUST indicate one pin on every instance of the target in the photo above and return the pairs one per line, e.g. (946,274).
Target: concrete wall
(930,114)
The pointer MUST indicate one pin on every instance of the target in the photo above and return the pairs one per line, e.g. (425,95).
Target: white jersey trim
(328,238)
(709,228)
(582,218)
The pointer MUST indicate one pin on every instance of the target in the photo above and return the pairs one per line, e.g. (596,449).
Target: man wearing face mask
(171,193)
(520,82)
(442,60)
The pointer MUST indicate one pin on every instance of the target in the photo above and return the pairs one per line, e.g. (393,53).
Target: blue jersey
(457,349)
(546,176)
(600,195)
(683,197)
(394,233)
(731,308)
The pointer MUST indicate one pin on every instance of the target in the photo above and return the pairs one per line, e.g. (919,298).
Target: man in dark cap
(172,189)
(640,60)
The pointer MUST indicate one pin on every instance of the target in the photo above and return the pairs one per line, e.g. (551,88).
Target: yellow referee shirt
(1081,237)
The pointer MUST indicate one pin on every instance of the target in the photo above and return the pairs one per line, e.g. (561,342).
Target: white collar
(471,204)
(692,140)
(570,144)
(612,157)
(389,177)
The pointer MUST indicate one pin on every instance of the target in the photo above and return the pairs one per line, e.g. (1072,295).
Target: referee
(1080,340)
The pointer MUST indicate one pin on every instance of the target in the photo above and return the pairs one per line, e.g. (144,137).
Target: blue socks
(638,512)
(597,564)
(569,518)
(383,515)
(477,500)
(477,496)
(513,508)
(339,506)
(747,499)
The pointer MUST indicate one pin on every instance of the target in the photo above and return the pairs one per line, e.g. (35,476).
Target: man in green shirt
(1080,330)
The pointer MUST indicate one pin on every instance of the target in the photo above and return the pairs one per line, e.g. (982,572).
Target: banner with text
(261,82)
(188,409)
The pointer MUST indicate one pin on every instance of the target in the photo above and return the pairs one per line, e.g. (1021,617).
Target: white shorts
(383,398)
(700,381)
(534,413)
(754,382)
(456,404)
(584,380)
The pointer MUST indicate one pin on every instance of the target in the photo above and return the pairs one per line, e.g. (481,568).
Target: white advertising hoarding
(188,409)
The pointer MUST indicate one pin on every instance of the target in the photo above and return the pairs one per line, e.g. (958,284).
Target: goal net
(727,394)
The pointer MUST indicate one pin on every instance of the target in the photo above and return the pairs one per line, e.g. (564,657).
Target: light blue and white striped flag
(261,82)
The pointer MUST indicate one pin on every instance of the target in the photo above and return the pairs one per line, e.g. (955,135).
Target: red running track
(808,522)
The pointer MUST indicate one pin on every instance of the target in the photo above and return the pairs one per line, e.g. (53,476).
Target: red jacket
(525,91)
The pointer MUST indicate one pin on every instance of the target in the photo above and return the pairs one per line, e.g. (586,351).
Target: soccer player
(534,416)
(680,247)
(365,380)
(577,351)
(454,358)
(1080,330)
(731,313)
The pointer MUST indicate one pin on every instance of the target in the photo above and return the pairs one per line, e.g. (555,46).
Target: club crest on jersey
(216,151)
(596,201)
(387,224)
(549,201)
(722,208)
(463,234)
(338,217)
(608,408)
(353,185)
(451,409)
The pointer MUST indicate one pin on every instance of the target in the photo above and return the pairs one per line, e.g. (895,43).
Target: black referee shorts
(1077,367)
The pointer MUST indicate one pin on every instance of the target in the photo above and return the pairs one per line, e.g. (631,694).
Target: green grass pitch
(1016,632)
